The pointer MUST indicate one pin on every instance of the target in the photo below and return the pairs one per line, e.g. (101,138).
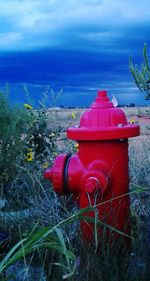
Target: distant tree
(142,76)
(132,104)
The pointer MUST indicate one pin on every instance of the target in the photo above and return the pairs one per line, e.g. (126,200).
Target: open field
(63,117)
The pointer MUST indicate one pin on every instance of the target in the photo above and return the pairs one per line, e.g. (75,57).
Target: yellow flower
(29,156)
(45,165)
(73,115)
(77,147)
(27,106)
(132,121)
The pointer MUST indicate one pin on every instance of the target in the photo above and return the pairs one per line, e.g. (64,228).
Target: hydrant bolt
(91,185)
(48,174)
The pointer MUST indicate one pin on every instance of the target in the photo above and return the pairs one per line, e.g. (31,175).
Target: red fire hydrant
(98,173)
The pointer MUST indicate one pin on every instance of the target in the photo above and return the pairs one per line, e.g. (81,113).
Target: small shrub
(13,125)
(142,76)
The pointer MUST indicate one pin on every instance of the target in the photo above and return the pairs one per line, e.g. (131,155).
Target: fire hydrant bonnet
(103,121)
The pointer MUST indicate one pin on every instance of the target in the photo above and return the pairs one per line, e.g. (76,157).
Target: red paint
(98,173)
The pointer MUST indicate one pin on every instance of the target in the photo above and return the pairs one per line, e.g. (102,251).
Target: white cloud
(8,39)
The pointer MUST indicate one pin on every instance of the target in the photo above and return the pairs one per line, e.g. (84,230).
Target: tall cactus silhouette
(142,76)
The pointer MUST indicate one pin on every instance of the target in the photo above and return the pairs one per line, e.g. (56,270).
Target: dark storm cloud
(79,45)
(71,24)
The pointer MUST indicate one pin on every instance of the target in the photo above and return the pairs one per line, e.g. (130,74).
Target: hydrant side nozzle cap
(56,174)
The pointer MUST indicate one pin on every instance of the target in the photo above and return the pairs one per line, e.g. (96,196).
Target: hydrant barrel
(98,173)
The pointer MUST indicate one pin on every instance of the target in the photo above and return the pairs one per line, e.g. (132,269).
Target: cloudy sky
(80,46)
